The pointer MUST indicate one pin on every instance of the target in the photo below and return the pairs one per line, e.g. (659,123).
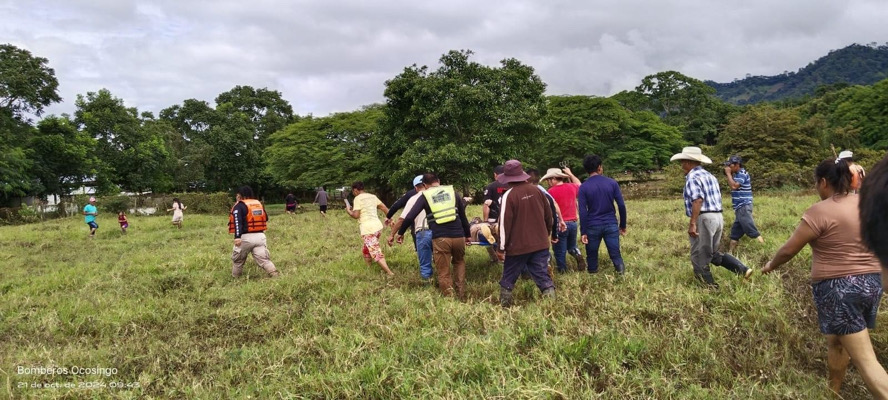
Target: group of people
(90,211)
(848,234)
(847,279)
(845,234)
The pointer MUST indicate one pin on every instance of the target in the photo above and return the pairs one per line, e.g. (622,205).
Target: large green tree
(627,141)
(27,84)
(131,151)
(683,102)
(326,151)
(62,155)
(458,121)
(778,148)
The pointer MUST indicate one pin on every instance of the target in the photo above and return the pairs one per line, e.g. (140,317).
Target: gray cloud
(336,55)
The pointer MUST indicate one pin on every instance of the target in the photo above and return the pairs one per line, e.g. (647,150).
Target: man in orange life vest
(247,222)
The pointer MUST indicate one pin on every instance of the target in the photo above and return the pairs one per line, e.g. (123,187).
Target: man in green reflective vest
(446,214)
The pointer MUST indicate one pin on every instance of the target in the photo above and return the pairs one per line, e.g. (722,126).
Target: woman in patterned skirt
(845,277)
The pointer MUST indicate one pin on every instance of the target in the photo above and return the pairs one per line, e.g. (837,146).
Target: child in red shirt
(121,219)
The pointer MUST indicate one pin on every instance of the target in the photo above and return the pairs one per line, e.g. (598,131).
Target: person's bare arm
(573,178)
(801,237)
(731,182)
(696,205)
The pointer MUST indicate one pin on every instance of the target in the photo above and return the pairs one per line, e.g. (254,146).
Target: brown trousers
(447,251)
(251,243)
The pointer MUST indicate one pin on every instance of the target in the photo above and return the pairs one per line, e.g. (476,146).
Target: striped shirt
(742,195)
(699,183)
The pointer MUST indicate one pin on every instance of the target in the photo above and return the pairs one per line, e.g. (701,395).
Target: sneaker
(748,273)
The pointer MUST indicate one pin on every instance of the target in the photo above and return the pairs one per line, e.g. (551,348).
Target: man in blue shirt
(702,198)
(90,212)
(598,220)
(741,199)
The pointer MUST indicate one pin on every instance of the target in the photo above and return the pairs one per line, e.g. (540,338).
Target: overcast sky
(331,56)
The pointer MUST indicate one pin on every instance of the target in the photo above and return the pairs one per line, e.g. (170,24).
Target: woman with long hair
(177,209)
(845,277)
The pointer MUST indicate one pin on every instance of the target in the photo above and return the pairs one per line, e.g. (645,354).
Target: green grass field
(159,309)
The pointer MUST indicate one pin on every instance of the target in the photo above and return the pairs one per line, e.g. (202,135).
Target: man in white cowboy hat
(525,223)
(857,172)
(703,205)
(563,187)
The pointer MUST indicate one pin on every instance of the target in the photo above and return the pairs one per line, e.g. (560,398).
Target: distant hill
(854,65)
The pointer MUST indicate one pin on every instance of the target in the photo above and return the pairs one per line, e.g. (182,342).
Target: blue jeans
(743,223)
(424,252)
(567,242)
(611,235)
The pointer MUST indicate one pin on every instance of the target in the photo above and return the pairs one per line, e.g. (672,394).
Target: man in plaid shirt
(703,205)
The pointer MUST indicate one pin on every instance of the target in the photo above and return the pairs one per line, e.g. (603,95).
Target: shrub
(28,214)
(115,204)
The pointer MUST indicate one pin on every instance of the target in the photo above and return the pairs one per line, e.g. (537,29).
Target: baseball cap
(734,159)
(417,180)
(846,155)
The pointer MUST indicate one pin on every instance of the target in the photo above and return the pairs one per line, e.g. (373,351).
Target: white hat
(553,173)
(846,154)
(692,153)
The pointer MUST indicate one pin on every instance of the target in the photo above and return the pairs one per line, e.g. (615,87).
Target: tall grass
(160,306)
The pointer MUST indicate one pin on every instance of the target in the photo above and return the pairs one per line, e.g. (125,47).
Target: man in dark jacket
(525,224)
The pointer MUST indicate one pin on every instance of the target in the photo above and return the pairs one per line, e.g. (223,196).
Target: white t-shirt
(419,223)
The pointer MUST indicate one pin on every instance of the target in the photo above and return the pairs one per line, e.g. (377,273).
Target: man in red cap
(525,224)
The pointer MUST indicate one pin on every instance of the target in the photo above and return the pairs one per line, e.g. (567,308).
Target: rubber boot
(581,261)
(733,264)
(621,269)
(505,297)
(706,279)
(549,293)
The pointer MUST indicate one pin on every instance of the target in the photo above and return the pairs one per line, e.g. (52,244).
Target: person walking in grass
(291,203)
(248,222)
(598,220)
(703,204)
(422,233)
(845,275)
(563,187)
(177,210)
(90,212)
(371,227)
(445,212)
(525,225)
(741,200)
(121,219)
(321,200)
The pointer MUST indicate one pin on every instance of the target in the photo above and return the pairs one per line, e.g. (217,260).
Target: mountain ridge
(855,64)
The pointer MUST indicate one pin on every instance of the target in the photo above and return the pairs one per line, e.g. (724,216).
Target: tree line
(459,120)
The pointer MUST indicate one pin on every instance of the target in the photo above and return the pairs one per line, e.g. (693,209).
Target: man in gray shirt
(321,199)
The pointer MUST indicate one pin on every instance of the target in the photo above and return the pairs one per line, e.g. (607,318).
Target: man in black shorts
(321,199)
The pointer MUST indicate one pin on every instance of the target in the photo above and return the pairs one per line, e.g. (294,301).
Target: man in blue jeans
(422,233)
(564,187)
(597,215)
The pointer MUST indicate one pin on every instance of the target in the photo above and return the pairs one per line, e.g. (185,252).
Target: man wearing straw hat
(703,205)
